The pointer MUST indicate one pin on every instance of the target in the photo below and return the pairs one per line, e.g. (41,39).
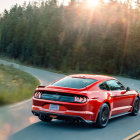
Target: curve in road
(18,123)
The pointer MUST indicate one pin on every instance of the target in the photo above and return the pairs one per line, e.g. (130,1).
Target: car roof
(92,76)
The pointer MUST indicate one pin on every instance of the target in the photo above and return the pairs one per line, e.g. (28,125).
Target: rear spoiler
(41,86)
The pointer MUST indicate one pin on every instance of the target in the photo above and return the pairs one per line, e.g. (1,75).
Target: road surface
(18,123)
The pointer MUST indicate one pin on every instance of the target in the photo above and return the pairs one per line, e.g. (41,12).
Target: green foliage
(102,40)
(15,85)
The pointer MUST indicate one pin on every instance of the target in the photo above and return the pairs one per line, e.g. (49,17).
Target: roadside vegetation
(104,39)
(15,85)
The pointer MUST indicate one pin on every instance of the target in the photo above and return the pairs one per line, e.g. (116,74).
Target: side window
(121,86)
(115,85)
(104,86)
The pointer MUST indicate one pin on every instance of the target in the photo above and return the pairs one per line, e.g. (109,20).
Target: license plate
(54,107)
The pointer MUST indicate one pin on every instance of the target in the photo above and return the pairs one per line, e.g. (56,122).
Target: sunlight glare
(92,3)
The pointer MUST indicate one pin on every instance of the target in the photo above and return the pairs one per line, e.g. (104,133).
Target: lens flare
(92,3)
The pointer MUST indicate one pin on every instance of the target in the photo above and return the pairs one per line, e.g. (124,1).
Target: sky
(7,4)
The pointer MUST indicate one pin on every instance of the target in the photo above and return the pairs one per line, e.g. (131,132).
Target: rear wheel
(135,110)
(103,116)
(44,118)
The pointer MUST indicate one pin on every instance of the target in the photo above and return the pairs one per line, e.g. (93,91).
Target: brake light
(80,99)
(37,95)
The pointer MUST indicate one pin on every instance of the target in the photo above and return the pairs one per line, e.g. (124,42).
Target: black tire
(103,116)
(44,118)
(135,110)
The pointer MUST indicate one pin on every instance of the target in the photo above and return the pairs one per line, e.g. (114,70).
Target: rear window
(72,82)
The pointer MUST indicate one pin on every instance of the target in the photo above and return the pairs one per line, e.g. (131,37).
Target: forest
(75,37)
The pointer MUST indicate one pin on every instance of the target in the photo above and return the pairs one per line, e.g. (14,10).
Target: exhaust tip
(35,113)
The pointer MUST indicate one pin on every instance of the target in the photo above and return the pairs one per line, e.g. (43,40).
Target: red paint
(119,101)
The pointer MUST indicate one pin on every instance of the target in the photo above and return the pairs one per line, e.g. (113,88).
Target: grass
(67,72)
(15,85)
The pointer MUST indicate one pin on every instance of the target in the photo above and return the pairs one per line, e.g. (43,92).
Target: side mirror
(128,89)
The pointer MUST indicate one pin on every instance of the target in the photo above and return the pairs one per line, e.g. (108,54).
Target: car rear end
(64,104)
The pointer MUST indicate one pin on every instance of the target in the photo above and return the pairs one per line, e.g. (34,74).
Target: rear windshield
(77,83)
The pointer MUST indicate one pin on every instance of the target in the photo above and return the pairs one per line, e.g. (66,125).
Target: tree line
(102,39)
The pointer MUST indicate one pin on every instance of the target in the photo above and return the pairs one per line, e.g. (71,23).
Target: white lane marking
(18,104)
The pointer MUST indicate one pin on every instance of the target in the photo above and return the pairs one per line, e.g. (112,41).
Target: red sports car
(84,97)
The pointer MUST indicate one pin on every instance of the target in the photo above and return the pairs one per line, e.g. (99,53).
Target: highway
(18,123)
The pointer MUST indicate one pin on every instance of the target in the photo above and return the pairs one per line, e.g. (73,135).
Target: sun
(92,3)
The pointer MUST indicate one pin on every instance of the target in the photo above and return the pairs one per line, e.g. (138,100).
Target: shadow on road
(61,130)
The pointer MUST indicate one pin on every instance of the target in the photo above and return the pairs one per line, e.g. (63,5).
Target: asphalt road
(18,123)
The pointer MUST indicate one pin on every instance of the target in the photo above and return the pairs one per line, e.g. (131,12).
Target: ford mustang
(85,98)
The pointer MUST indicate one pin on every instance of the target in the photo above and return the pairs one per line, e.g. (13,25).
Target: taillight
(37,95)
(80,99)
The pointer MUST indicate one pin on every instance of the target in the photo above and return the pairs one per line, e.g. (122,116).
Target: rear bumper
(61,116)
(84,116)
